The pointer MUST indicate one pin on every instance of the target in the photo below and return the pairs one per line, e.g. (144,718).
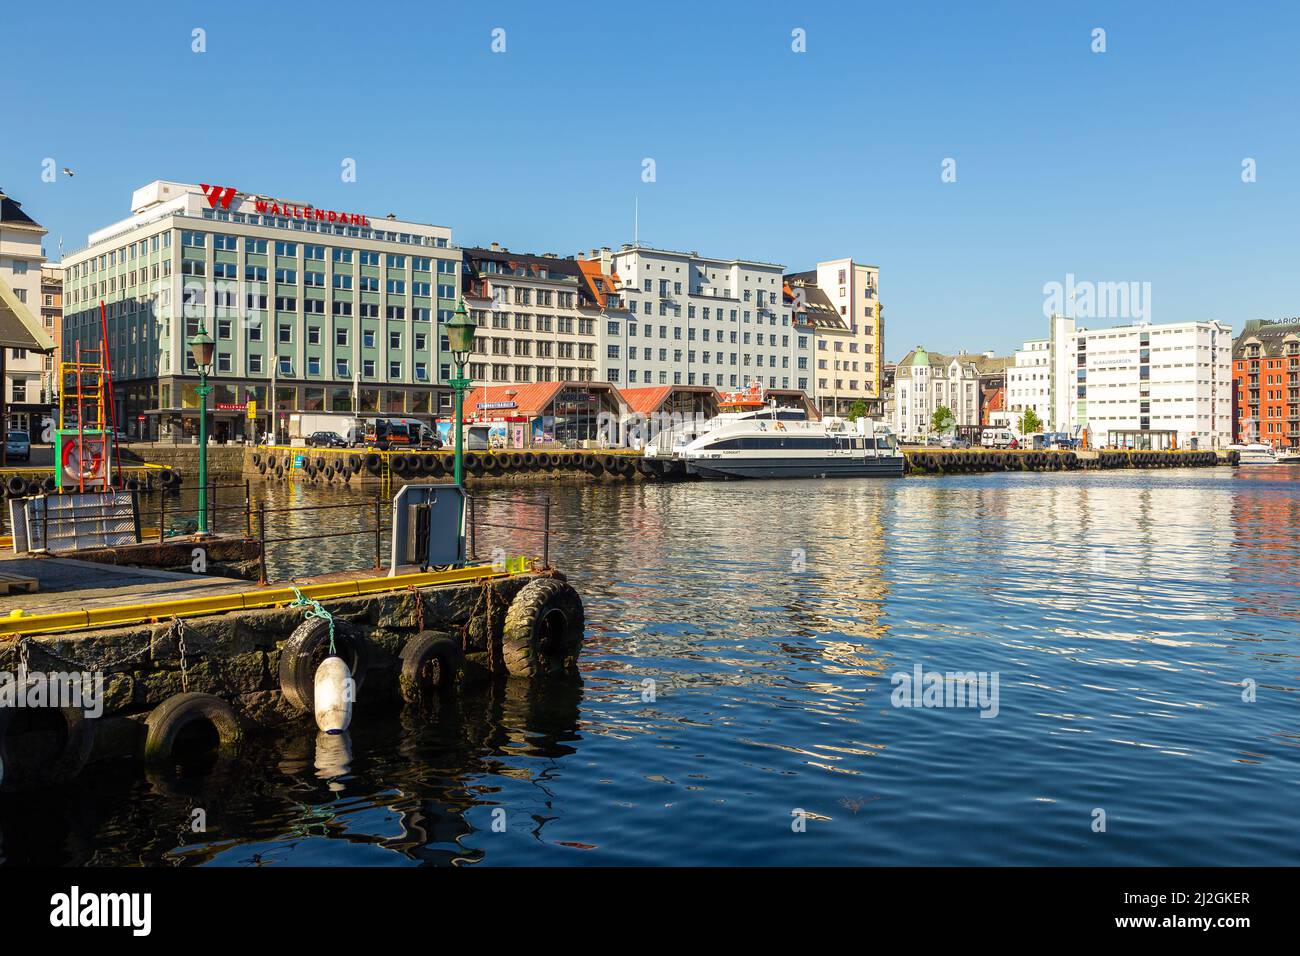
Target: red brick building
(1266,383)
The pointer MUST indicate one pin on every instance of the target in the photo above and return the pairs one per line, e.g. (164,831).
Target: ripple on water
(737,679)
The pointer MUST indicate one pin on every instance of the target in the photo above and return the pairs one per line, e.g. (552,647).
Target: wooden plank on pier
(17,584)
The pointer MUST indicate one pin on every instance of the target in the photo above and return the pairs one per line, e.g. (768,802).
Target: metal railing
(377,528)
(480,505)
(211,503)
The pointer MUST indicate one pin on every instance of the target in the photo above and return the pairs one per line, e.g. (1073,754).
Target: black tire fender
(543,628)
(77,737)
(429,661)
(306,647)
(166,721)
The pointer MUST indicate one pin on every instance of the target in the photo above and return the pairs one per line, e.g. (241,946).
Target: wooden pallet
(16,584)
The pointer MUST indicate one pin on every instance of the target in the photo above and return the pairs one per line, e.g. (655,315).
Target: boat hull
(794,467)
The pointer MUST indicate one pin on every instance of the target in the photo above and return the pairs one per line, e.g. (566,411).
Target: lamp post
(460,339)
(202,347)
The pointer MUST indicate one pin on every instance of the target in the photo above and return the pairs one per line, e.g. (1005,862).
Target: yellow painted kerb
(239,601)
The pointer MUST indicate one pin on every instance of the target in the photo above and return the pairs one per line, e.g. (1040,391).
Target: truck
(347,426)
(385,433)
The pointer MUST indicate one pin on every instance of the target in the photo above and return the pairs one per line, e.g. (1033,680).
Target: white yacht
(1255,453)
(753,440)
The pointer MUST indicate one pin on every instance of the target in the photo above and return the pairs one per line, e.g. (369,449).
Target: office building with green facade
(312,308)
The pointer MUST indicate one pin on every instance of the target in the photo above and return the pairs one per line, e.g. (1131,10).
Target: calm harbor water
(1123,614)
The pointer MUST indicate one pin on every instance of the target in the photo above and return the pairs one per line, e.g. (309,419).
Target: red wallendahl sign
(223,195)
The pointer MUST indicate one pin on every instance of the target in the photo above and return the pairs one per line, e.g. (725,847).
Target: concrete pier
(160,641)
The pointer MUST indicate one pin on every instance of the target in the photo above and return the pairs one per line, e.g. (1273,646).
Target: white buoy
(333,695)
(333,758)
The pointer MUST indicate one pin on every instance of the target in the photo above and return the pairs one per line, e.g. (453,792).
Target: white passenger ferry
(750,439)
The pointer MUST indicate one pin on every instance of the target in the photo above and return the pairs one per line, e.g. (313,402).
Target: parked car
(18,446)
(326,440)
(955,441)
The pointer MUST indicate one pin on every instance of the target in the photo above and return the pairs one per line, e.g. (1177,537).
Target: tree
(1030,423)
(942,419)
(857,410)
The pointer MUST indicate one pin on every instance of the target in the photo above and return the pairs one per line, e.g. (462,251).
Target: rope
(314,610)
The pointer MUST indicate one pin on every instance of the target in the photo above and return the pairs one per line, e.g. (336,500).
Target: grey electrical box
(428,526)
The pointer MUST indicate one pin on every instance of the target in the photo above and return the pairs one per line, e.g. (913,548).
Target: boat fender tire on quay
(178,713)
(543,629)
(27,763)
(15,486)
(429,661)
(307,646)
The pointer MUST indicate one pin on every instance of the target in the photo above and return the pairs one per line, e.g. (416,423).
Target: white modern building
(26,376)
(1154,386)
(1040,364)
(1141,386)
(694,320)
(313,308)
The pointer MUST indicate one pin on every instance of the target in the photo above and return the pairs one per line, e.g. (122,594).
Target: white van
(998,438)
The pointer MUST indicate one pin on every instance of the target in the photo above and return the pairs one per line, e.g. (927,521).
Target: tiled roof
(599,284)
(818,307)
(1269,335)
(11,212)
(646,400)
(530,398)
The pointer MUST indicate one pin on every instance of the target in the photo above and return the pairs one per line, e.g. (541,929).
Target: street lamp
(201,348)
(460,339)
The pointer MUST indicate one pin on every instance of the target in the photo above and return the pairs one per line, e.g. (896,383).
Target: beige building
(21,257)
(840,297)
(541,318)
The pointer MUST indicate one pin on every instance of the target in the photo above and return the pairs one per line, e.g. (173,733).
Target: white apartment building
(25,372)
(1154,386)
(693,320)
(1032,381)
(926,381)
(1029,382)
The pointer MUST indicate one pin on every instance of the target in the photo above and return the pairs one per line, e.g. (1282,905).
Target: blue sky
(1115,166)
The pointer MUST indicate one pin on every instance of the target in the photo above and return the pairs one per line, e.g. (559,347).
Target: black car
(326,440)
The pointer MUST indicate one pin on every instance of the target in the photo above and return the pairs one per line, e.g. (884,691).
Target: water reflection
(741,639)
